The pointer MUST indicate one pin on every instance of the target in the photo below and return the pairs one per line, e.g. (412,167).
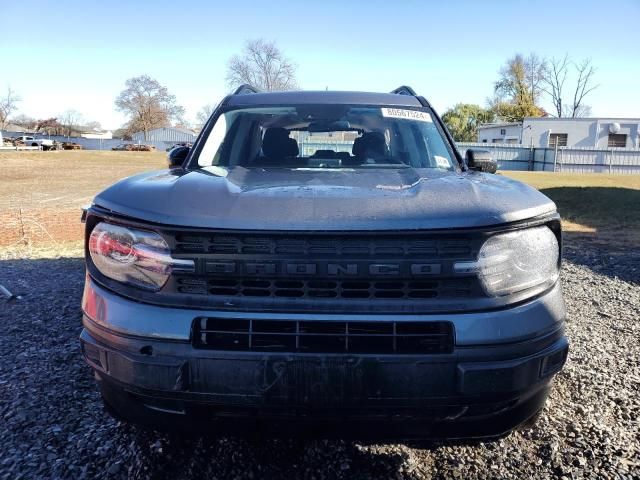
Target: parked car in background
(175,145)
(71,146)
(144,148)
(124,147)
(134,147)
(30,141)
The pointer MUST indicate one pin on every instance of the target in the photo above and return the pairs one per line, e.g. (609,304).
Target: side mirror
(177,156)
(481,161)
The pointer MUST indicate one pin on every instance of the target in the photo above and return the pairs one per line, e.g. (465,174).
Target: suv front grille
(324,271)
(343,289)
(307,336)
(333,246)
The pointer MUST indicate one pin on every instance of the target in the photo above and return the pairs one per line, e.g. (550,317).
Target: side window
(210,154)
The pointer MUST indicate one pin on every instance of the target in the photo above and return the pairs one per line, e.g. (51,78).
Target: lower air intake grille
(307,336)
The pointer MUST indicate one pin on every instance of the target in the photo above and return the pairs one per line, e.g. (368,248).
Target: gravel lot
(52,424)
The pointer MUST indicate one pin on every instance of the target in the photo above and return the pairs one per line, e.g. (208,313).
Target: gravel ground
(53,426)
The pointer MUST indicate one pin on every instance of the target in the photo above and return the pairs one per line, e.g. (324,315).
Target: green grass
(604,208)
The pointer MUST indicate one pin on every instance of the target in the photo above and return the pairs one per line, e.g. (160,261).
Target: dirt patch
(45,225)
(66,179)
(41,193)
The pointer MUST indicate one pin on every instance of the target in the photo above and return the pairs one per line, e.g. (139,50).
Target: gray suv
(324,263)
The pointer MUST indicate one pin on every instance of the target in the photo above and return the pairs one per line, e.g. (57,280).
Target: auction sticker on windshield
(406,114)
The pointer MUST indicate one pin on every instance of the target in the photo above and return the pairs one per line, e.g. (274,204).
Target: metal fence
(561,159)
(93,143)
(509,157)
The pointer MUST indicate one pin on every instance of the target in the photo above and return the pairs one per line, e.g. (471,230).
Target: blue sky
(76,55)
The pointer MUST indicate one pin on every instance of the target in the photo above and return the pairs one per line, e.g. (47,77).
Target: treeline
(148,104)
(523,86)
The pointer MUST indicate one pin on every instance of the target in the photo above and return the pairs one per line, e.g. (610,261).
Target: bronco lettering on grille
(325,269)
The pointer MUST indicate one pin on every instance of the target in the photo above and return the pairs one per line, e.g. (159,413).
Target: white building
(500,133)
(538,132)
(598,133)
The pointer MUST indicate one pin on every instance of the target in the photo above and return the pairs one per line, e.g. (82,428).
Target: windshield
(326,137)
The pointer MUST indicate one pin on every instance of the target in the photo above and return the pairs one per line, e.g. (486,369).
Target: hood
(312,199)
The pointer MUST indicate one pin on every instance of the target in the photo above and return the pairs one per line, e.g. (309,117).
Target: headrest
(370,144)
(277,144)
(292,150)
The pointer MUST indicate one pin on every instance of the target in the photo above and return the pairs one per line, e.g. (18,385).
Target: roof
(166,134)
(174,129)
(322,96)
(582,119)
(499,125)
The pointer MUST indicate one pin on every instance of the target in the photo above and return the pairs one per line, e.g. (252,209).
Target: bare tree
(554,80)
(584,85)
(554,86)
(94,125)
(204,113)
(8,105)
(582,111)
(535,69)
(24,121)
(148,104)
(49,126)
(70,120)
(263,65)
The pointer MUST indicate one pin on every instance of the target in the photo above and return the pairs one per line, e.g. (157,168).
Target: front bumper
(480,390)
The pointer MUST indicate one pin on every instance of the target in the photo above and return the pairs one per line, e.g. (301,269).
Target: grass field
(603,208)
(41,194)
(66,178)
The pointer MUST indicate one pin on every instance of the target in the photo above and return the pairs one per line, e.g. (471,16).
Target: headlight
(137,257)
(511,262)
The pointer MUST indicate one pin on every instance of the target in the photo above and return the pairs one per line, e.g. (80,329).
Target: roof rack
(245,89)
(404,90)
